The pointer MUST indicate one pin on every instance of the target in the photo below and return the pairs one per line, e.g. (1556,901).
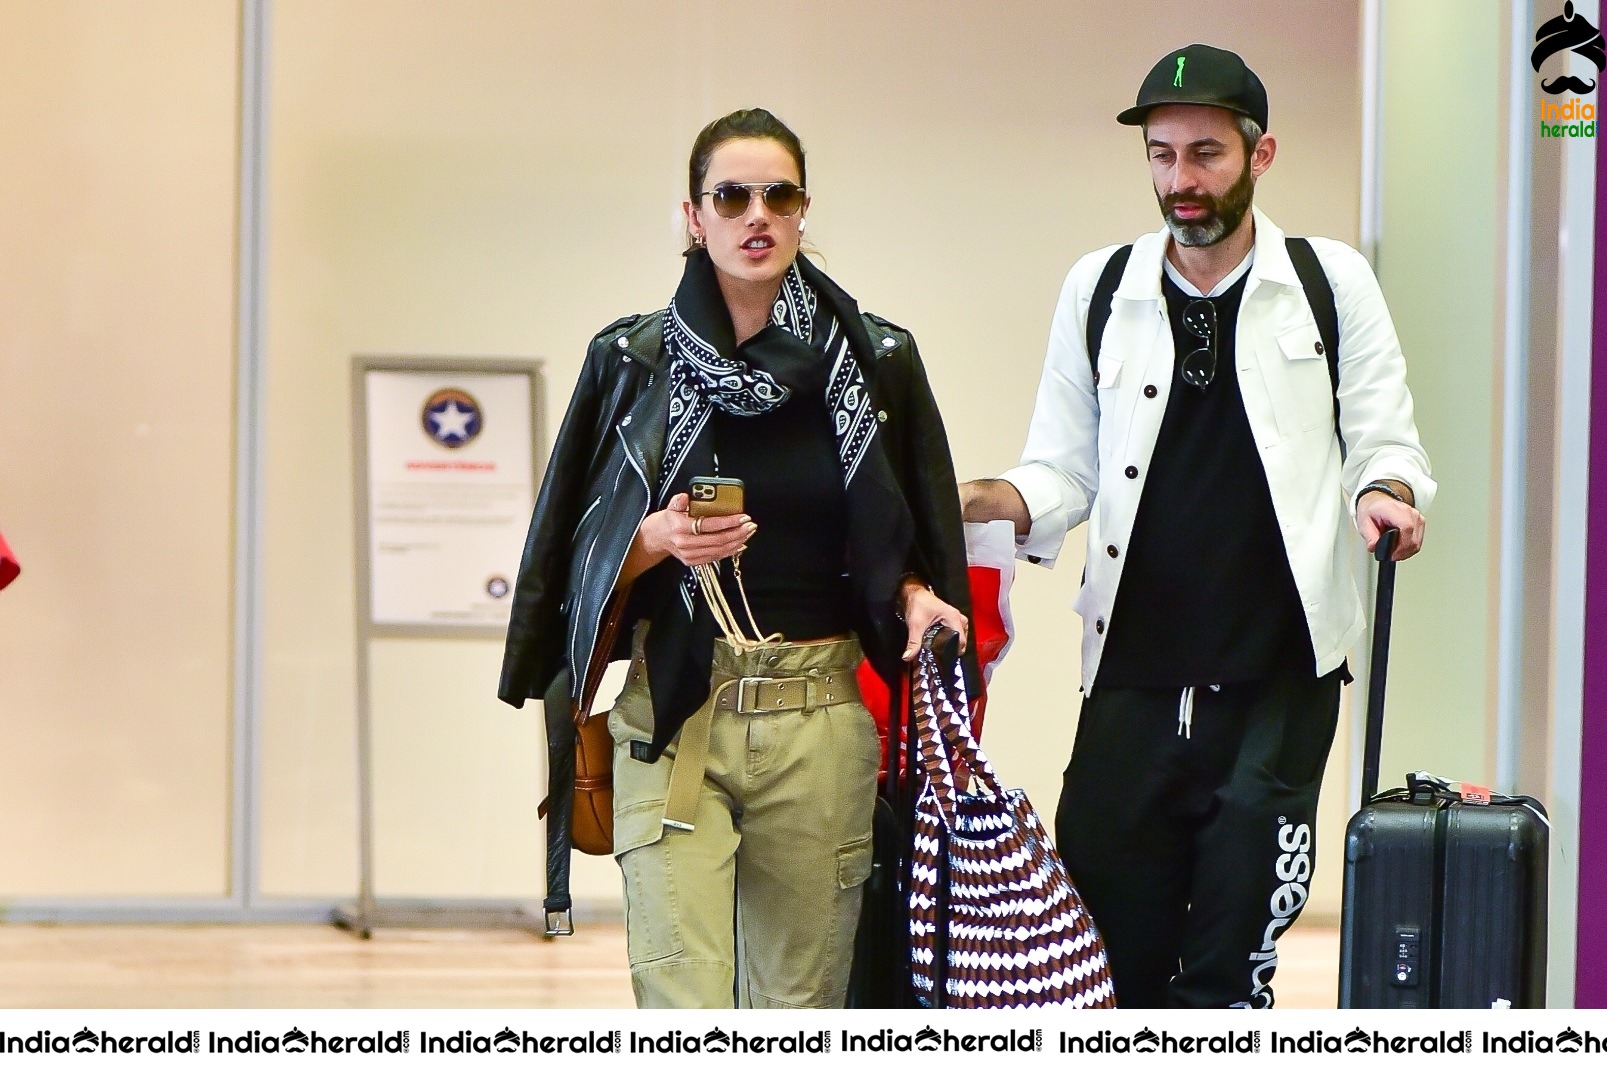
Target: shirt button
(1096,379)
(1132,472)
(1149,391)
(1111,550)
(881,416)
(1099,626)
(1034,559)
(1319,349)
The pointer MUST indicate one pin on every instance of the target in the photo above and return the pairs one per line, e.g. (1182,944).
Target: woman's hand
(672,533)
(920,607)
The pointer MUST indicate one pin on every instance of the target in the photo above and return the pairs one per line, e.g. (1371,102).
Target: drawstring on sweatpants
(1185,711)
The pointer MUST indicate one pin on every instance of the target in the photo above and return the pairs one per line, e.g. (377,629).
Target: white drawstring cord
(1185,711)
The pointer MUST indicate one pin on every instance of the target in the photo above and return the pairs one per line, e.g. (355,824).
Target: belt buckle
(748,701)
(753,701)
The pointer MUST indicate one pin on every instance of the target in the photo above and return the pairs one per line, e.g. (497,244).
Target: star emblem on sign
(452,417)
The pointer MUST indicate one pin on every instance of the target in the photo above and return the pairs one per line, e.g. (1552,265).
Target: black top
(1206,596)
(793,567)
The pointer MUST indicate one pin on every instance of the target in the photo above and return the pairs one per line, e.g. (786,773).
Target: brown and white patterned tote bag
(994,920)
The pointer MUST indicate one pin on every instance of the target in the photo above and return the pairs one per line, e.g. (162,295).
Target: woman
(744,773)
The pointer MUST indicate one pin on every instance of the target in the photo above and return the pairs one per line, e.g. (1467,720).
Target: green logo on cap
(1178,81)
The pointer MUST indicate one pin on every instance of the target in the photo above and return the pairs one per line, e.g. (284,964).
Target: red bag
(8,563)
(990,554)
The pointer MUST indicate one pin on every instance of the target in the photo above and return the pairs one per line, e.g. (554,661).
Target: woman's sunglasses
(731,199)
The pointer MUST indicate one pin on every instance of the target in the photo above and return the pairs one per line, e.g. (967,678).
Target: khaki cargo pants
(757,904)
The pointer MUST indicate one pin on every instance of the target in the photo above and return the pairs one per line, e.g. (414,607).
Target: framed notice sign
(447,464)
(445,461)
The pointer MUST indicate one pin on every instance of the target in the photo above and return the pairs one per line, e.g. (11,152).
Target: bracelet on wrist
(900,603)
(1383,489)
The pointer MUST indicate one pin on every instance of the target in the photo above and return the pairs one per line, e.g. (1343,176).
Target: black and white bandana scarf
(703,378)
(708,370)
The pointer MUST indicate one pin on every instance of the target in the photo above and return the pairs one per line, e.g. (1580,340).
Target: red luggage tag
(1475,794)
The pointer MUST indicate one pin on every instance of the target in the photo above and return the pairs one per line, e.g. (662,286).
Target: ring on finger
(697,525)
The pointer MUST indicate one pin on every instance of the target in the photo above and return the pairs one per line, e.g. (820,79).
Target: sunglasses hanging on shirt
(1199,366)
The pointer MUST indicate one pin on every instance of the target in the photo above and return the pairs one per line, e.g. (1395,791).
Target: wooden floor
(150,966)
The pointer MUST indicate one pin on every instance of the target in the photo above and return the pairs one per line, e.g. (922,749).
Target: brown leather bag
(591,823)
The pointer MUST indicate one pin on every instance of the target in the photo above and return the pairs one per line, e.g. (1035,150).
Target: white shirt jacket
(1079,431)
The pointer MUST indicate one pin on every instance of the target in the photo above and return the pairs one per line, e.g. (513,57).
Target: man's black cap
(1200,74)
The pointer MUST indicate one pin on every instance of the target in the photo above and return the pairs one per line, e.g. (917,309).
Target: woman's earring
(697,240)
(803,225)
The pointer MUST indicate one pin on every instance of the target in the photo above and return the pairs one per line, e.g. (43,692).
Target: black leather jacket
(600,480)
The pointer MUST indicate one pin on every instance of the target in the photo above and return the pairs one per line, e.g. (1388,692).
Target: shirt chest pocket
(1108,375)
(1300,384)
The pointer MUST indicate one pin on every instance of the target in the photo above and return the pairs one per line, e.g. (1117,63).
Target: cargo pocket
(652,921)
(642,824)
(854,862)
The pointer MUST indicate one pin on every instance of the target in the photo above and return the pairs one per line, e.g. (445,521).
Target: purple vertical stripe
(1590,970)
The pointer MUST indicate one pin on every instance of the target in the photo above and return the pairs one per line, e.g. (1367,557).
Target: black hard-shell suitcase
(1445,884)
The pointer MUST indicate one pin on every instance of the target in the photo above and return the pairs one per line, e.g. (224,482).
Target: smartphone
(715,496)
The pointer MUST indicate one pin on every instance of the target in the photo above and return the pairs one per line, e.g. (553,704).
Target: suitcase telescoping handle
(1384,551)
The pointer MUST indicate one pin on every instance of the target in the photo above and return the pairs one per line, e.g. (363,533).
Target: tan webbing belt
(743,695)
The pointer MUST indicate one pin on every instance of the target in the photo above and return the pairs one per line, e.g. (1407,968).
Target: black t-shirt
(794,567)
(1206,595)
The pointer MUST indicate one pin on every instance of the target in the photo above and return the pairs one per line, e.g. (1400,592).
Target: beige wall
(498,178)
(1444,224)
(487,178)
(117,179)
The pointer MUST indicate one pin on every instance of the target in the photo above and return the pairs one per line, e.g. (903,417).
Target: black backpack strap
(1320,296)
(1099,307)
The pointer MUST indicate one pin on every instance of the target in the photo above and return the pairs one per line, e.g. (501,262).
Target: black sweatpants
(1193,846)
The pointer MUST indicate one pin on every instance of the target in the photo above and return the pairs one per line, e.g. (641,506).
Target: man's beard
(1222,216)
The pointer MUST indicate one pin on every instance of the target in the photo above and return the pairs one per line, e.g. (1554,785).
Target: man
(1218,603)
